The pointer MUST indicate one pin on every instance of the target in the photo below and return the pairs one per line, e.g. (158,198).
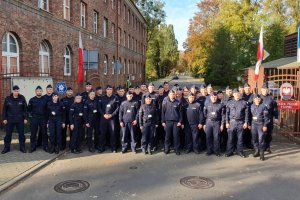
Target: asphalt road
(182,81)
(144,177)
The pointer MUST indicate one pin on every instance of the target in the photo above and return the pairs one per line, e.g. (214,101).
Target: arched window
(10,55)
(125,65)
(44,59)
(128,67)
(120,61)
(113,65)
(105,64)
(67,62)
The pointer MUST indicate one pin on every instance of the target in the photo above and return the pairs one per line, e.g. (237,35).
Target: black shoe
(167,151)
(23,150)
(123,151)
(209,153)
(268,150)
(79,150)
(154,149)
(262,156)
(177,153)
(100,150)
(187,151)
(31,150)
(92,150)
(51,150)
(74,151)
(46,149)
(57,150)
(256,153)
(242,154)
(228,154)
(5,150)
(218,154)
(62,148)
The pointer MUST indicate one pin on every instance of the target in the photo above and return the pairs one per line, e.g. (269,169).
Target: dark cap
(241,87)
(99,88)
(214,94)
(235,90)
(191,94)
(256,96)
(49,86)
(246,85)
(144,84)
(179,88)
(69,88)
(172,91)
(160,87)
(147,95)
(129,93)
(137,87)
(228,88)
(109,87)
(220,92)
(120,88)
(78,94)
(202,86)
(130,87)
(88,83)
(54,94)
(265,85)
(174,88)
(15,87)
(166,82)
(38,88)
(151,84)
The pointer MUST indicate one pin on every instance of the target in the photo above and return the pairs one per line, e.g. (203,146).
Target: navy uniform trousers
(128,135)
(258,136)
(192,137)
(172,131)
(235,137)
(212,131)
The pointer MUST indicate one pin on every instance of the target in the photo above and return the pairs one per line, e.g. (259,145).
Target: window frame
(67,10)
(42,71)
(82,15)
(69,57)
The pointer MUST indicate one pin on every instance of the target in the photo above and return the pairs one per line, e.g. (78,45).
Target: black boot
(57,150)
(51,150)
(256,153)
(262,155)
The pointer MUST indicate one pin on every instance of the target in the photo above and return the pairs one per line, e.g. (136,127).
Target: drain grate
(71,186)
(197,182)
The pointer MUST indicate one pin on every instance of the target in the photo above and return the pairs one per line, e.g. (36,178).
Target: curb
(26,174)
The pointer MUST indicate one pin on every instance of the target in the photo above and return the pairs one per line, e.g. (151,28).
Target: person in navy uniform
(37,109)
(99,94)
(85,94)
(259,126)
(143,88)
(67,101)
(271,104)
(172,121)
(56,116)
(128,118)
(166,88)
(90,115)
(204,97)
(148,120)
(76,123)
(237,119)
(214,113)
(108,109)
(121,97)
(14,114)
(248,97)
(193,122)
(160,132)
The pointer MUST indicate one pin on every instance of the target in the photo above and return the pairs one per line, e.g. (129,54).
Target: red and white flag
(260,54)
(80,61)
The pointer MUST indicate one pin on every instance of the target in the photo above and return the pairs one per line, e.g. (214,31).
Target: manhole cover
(71,186)
(197,182)
(133,167)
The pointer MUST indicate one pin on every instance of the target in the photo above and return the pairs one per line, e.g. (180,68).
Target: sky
(178,13)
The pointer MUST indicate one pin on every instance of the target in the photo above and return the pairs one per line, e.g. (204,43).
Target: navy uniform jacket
(76,112)
(48,97)
(67,102)
(15,109)
(56,111)
(85,96)
(138,98)
(37,107)
(108,105)
(259,114)
(148,114)
(193,113)
(202,100)
(214,111)
(248,98)
(154,97)
(128,111)
(90,110)
(171,111)
(226,99)
(269,102)
(120,99)
(237,110)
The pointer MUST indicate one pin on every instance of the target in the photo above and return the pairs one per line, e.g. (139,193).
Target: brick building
(40,38)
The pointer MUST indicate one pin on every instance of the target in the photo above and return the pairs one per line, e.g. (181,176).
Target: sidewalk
(15,166)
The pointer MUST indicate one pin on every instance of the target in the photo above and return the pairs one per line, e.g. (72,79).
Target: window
(67,63)
(128,41)
(82,15)
(128,17)
(95,21)
(44,59)
(120,62)
(44,5)
(10,55)
(113,65)
(105,27)
(128,67)
(124,36)
(132,43)
(119,36)
(112,4)
(124,67)
(113,31)
(124,12)
(132,20)
(105,64)
(119,7)
(67,10)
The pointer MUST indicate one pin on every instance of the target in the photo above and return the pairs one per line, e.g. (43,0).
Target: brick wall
(31,26)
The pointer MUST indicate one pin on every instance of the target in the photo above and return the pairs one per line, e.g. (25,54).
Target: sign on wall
(288,105)
(286,91)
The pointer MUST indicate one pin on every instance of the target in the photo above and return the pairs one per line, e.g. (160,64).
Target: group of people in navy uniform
(192,119)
